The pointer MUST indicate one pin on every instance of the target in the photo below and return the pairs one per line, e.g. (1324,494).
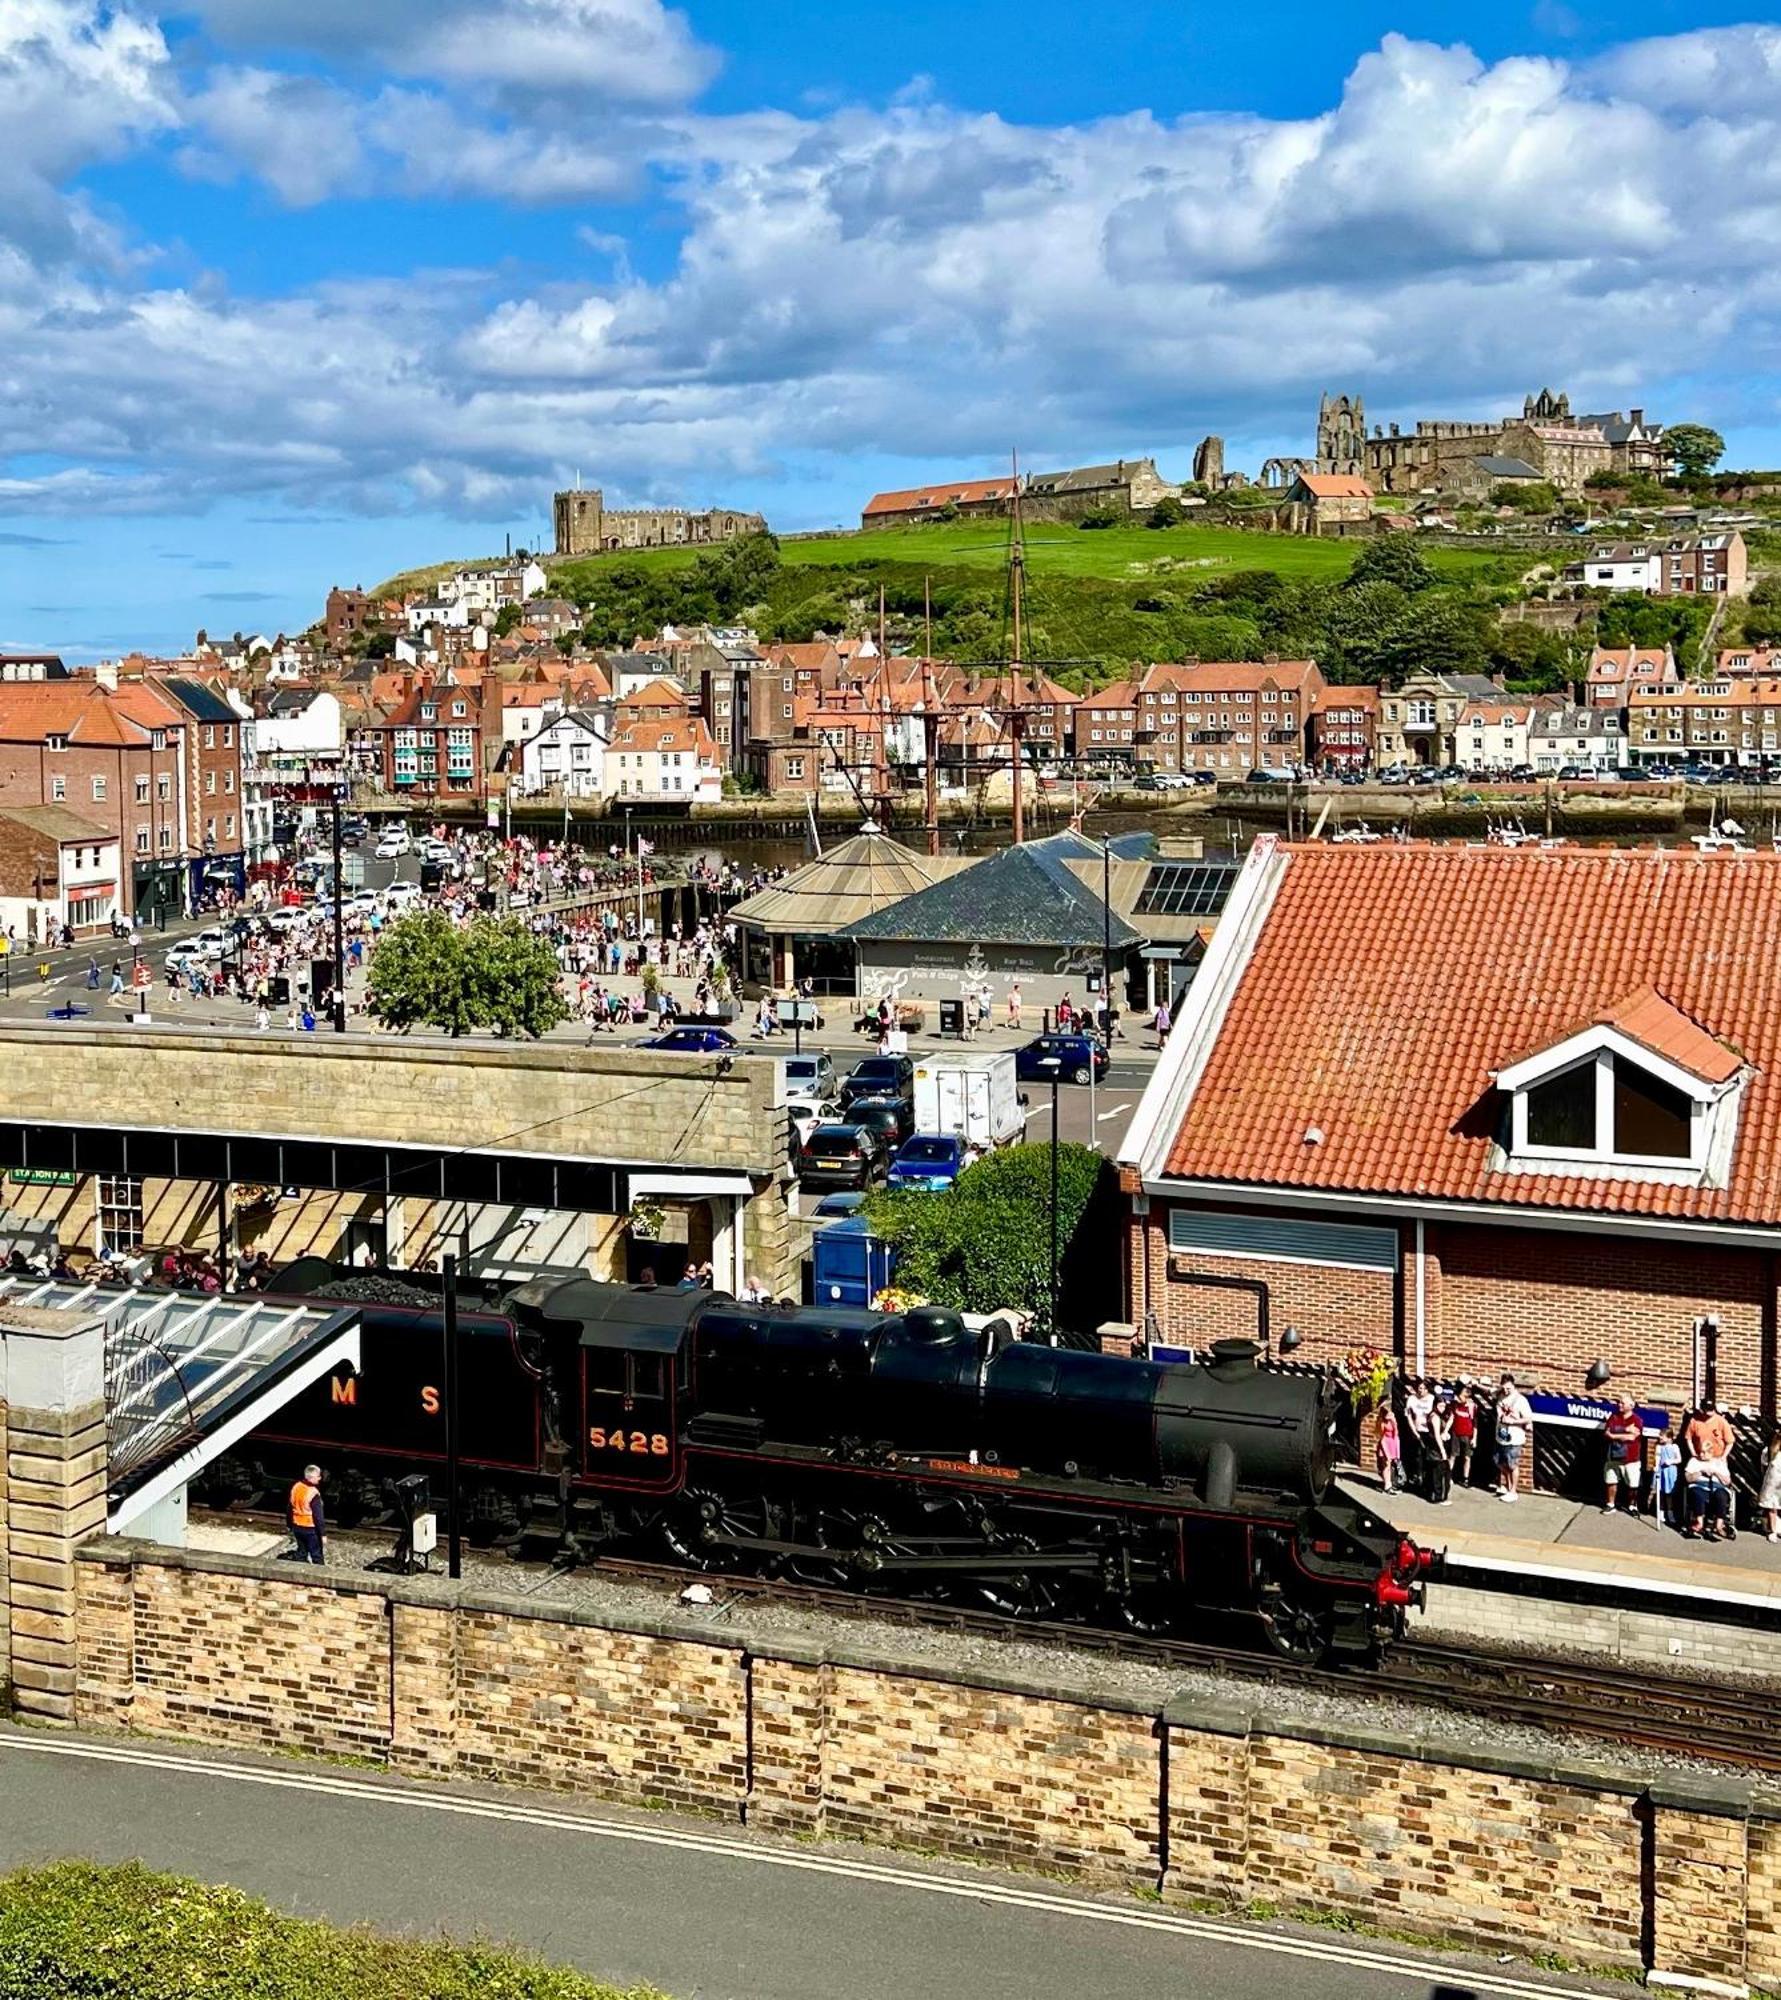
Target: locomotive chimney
(1231,1358)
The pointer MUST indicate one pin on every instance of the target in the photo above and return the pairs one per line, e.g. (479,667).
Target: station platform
(1556,1572)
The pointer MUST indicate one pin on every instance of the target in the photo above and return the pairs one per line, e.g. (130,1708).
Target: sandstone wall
(1200,1805)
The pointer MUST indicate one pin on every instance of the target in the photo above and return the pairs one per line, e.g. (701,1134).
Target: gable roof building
(1481,1108)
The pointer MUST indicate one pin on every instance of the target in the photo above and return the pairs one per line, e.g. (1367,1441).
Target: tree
(1527,496)
(514,982)
(1694,449)
(986,1247)
(507,619)
(426,972)
(1102,517)
(1167,513)
(1391,559)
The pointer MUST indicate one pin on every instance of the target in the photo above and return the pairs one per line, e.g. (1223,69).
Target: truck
(971,1093)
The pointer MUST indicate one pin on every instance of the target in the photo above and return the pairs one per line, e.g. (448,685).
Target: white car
(284,918)
(392,845)
(1172,781)
(402,896)
(212,942)
(805,1114)
(361,903)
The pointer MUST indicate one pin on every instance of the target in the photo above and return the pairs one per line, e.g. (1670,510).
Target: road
(703,1912)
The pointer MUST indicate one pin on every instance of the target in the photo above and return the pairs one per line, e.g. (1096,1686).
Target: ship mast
(1015,718)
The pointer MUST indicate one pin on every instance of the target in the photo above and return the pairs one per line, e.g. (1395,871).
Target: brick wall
(1545,1303)
(1415,1835)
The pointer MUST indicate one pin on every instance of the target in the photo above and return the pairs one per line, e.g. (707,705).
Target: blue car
(1067,1057)
(691,1041)
(929,1160)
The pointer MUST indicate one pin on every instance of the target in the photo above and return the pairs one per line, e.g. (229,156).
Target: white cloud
(910,280)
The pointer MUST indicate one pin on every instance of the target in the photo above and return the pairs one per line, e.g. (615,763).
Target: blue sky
(297,291)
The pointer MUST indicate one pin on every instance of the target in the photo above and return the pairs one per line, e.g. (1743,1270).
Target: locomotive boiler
(903,1453)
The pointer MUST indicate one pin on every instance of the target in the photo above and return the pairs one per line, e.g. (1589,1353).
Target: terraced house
(432,743)
(1732,719)
(1226,716)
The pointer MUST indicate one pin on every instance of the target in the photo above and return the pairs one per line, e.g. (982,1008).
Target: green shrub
(76,1931)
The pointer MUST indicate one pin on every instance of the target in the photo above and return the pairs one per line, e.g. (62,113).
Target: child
(1666,1471)
(1463,1429)
(1768,1497)
(1390,1453)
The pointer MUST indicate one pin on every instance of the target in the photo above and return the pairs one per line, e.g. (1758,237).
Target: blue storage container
(850,1266)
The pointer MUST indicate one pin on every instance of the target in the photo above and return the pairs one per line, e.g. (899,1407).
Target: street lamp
(1055,1064)
(337,793)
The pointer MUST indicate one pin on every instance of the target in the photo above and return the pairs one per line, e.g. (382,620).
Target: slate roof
(200,700)
(1019,895)
(1383,988)
(1498,467)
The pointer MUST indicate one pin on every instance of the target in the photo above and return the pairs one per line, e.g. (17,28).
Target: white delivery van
(971,1093)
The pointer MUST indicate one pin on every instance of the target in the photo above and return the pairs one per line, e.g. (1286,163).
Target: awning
(694,1185)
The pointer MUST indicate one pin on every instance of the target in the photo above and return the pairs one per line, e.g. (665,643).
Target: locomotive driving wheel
(1027,1593)
(697,1530)
(1297,1631)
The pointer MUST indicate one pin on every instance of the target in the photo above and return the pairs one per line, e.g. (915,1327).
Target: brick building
(216,811)
(1731,719)
(431,742)
(1107,724)
(56,867)
(1478,1108)
(1615,671)
(1226,716)
(913,504)
(1343,726)
(1324,500)
(119,760)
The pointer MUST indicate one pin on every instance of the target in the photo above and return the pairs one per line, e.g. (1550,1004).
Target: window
(142,791)
(1561,1112)
(166,839)
(210,784)
(163,787)
(1652,1120)
(58,789)
(157,739)
(120,1212)
(229,782)
(210,736)
(229,826)
(98,791)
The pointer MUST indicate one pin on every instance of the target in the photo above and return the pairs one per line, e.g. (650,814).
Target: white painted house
(1492,735)
(1591,738)
(568,754)
(301,726)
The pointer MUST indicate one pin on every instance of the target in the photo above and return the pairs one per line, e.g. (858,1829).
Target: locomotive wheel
(690,1524)
(1022,1593)
(1296,1631)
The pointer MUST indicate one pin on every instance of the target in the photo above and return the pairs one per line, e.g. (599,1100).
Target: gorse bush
(76,1931)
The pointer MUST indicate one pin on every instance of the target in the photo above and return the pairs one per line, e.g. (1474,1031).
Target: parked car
(841,1156)
(892,1118)
(691,1041)
(805,1114)
(811,1075)
(838,1206)
(1069,1057)
(285,918)
(928,1160)
(1173,781)
(1265,774)
(878,1076)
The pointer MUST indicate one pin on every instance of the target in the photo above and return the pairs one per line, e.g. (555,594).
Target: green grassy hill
(1097,601)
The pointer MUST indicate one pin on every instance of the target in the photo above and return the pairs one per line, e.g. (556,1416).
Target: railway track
(1697,1719)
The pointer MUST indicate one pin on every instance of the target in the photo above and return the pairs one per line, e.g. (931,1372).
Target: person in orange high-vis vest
(307,1523)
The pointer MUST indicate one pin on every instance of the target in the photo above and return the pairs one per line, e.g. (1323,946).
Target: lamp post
(336,791)
(1055,1064)
(454,1561)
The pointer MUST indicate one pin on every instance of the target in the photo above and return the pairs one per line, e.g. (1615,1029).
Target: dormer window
(1641,1093)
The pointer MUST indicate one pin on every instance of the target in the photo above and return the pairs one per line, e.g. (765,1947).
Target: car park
(879,1076)
(1070,1058)
(841,1156)
(690,1041)
(927,1160)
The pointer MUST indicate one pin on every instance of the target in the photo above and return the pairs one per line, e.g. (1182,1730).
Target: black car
(879,1076)
(841,1156)
(1067,1057)
(892,1118)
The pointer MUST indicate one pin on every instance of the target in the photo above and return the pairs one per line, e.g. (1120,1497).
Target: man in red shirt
(1624,1438)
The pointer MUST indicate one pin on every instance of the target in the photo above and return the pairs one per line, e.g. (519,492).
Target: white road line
(734,1848)
(1118,1111)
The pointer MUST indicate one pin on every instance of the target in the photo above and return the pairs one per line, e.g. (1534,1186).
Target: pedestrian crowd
(1434,1436)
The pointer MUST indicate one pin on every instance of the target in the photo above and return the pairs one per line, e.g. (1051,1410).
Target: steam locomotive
(902,1453)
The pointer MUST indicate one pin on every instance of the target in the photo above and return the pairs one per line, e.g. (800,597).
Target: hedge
(77,1931)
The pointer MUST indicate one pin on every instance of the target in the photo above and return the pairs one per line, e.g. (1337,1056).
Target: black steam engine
(898,1452)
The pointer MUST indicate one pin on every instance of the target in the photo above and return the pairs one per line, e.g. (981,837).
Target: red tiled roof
(656,694)
(1201,675)
(1335,486)
(81,710)
(943,494)
(1386,985)
(1647,1018)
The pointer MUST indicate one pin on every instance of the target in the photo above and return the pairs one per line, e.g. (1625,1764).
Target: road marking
(1118,1111)
(737,1848)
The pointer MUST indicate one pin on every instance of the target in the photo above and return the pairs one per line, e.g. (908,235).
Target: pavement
(1546,1533)
(704,1911)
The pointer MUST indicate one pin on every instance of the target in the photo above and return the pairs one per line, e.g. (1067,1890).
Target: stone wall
(1202,1806)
